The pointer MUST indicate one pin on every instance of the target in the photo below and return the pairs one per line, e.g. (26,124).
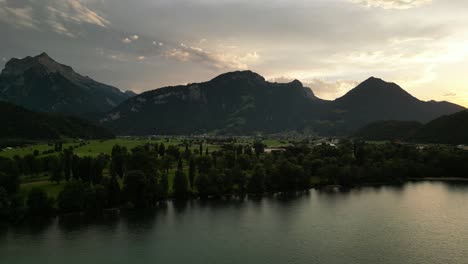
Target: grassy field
(93,148)
(96,147)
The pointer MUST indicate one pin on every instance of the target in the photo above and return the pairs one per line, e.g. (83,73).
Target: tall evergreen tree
(113,192)
(192,172)
(180,183)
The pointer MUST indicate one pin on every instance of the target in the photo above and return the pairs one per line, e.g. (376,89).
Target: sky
(329,45)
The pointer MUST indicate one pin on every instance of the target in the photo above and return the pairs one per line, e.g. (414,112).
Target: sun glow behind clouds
(392,4)
(329,45)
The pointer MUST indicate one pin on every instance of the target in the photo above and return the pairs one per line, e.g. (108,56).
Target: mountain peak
(377,90)
(40,63)
(43,84)
(240,75)
(43,55)
(374,80)
(296,83)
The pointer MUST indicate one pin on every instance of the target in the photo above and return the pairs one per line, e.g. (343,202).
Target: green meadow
(91,147)
(95,147)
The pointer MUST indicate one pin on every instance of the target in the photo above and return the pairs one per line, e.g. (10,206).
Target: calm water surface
(415,223)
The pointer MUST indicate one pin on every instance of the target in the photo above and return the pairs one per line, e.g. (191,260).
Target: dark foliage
(389,130)
(451,129)
(19,123)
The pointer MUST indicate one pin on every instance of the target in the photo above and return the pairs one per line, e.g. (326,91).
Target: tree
(4,203)
(113,192)
(259,148)
(75,167)
(151,191)
(73,197)
(167,163)
(248,150)
(180,183)
(39,204)
(239,179)
(56,170)
(134,188)
(97,167)
(204,164)
(192,172)
(164,186)
(239,150)
(256,182)
(187,153)
(118,159)
(10,182)
(161,150)
(359,152)
(202,183)
(67,163)
(96,199)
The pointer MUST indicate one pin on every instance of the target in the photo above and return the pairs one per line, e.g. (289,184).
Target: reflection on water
(422,222)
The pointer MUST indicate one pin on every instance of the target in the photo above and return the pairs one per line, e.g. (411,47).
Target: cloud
(130,39)
(218,60)
(392,4)
(57,15)
(141,58)
(19,17)
(450,94)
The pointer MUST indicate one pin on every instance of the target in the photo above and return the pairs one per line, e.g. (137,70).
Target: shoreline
(119,211)
(447,179)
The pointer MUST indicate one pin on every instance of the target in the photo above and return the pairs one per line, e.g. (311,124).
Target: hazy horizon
(330,45)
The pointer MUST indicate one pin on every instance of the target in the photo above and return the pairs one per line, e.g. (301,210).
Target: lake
(424,222)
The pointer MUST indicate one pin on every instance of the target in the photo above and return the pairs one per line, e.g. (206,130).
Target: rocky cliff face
(42,84)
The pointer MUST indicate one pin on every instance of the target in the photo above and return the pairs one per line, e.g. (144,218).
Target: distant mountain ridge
(20,123)
(375,99)
(389,130)
(244,102)
(232,103)
(449,129)
(42,84)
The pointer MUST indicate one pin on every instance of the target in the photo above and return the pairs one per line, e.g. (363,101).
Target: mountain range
(245,103)
(234,103)
(389,130)
(41,84)
(447,129)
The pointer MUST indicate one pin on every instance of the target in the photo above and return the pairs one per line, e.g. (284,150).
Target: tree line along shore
(146,175)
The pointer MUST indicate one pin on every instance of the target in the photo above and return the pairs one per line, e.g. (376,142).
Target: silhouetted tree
(180,183)
(73,197)
(162,150)
(192,172)
(259,148)
(39,204)
(113,192)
